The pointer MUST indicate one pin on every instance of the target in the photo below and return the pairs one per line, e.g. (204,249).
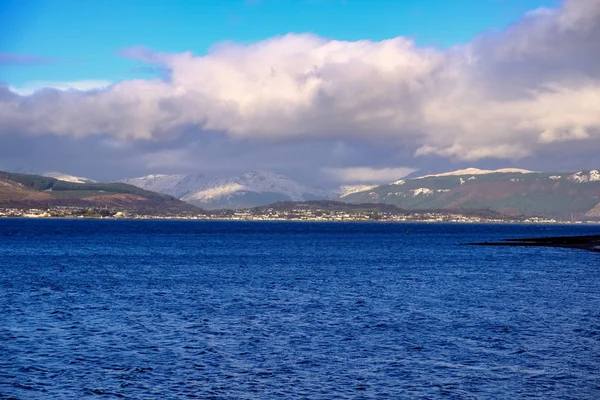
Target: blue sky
(79,39)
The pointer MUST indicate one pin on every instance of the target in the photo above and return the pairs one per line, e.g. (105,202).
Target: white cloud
(85,85)
(505,95)
(540,12)
(368,174)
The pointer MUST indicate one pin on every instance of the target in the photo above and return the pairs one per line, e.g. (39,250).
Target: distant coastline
(215,219)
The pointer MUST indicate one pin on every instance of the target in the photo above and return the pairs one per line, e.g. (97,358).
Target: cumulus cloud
(505,95)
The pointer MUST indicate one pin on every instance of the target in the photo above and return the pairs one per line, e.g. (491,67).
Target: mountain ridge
(511,192)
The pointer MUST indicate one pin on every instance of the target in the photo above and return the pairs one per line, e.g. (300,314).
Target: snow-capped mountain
(178,185)
(348,190)
(477,171)
(247,190)
(508,191)
(67,178)
(253,189)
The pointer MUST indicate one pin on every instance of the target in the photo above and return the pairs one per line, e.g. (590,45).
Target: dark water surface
(239,310)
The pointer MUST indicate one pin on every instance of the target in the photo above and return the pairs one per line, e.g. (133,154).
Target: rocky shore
(590,242)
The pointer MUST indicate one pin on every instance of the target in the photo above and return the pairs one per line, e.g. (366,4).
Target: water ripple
(207,310)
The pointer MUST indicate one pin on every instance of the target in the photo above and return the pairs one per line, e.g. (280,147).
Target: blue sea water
(252,310)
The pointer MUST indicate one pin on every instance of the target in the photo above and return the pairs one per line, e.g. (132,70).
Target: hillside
(330,205)
(36,191)
(556,195)
(378,208)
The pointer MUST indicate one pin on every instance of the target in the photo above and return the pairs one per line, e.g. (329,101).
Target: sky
(326,91)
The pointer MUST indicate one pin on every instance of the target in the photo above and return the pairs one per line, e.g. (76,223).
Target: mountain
(508,191)
(178,185)
(253,189)
(37,191)
(67,178)
(247,190)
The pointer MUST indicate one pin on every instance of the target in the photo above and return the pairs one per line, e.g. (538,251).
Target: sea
(294,310)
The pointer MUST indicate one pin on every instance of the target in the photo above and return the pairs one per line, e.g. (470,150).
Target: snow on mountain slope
(585,176)
(256,182)
(178,185)
(218,191)
(423,191)
(477,171)
(347,190)
(67,178)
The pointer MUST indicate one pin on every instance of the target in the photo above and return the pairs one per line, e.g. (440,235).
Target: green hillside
(25,191)
(556,195)
(71,189)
